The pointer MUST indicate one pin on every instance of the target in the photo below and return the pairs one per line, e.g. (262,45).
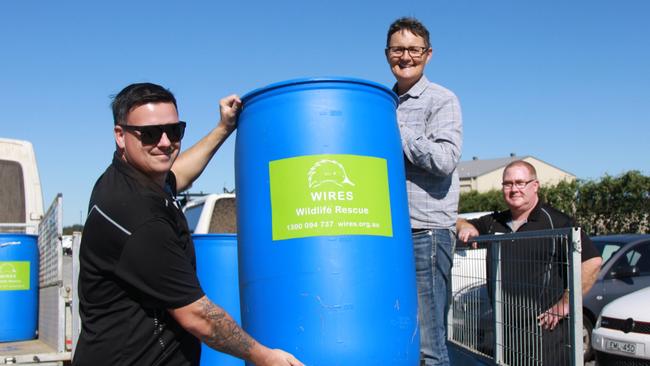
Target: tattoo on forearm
(226,335)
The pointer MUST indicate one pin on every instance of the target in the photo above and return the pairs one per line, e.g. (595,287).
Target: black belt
(415,231)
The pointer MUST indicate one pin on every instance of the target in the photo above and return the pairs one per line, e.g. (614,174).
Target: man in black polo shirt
(140,299)
(532,272)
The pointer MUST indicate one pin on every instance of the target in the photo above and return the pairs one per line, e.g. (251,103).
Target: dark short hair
(136,95)
(531,169)
(410,24)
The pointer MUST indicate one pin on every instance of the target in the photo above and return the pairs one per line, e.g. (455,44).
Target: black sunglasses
(151,134)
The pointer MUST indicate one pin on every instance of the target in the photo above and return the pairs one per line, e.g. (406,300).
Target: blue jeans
(433,250)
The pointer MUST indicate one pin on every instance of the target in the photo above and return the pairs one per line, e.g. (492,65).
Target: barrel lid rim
(312,80)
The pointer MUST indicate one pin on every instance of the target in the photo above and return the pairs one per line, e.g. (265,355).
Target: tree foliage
(68,230)
(618,204)
(489,201)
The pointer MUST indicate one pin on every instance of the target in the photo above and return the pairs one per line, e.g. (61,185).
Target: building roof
(475,167)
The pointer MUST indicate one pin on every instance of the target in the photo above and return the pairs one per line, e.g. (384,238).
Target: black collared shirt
(542,217)
(136,261)
(534,268)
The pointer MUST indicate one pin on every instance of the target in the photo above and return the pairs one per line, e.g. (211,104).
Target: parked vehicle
(469,295)
(625,269)
(622,333)
(472,318)
(473,215)
(468,269)
(21,200)
(21,212)
(211,213)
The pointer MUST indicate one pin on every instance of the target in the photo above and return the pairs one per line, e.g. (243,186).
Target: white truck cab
(21,200)
(212,213)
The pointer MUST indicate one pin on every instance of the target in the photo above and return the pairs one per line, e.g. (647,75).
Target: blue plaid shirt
(431,127)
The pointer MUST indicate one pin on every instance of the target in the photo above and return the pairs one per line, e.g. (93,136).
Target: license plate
(621,346)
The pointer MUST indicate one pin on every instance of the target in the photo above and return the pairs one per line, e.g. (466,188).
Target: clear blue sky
(565,81)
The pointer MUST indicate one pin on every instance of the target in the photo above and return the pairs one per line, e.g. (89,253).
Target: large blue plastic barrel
(216,266)
(325,253)
(18,287)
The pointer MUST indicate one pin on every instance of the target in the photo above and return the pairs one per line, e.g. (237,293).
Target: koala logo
(327,171)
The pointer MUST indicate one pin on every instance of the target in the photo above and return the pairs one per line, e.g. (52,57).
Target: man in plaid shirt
(431,129)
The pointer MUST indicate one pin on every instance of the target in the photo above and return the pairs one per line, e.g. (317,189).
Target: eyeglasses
(151,134)
(519,184)
(415,52)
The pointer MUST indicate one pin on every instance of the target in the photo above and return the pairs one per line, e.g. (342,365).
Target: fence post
(497,303)
(575,300)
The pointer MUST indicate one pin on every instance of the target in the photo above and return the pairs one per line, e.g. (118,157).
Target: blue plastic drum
(325,253)
(18,287)
(216,266)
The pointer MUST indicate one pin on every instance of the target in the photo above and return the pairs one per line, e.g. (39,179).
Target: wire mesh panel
(471,320)
(51,304)
(532,282)
(515,301)
(49,243)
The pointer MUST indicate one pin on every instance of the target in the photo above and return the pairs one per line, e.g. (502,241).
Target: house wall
(547,175)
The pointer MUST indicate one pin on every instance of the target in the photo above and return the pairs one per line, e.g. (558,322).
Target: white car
(468,269)
(212,213)
(622,333)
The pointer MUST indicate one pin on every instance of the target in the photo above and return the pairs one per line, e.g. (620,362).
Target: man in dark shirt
(140,299)
(532,272)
